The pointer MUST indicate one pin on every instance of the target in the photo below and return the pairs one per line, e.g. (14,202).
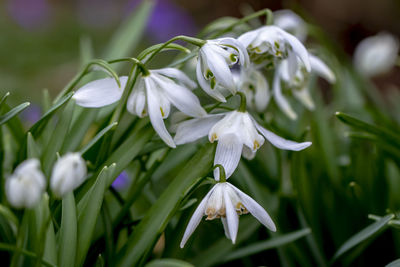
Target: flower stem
(242,107)
(222,175)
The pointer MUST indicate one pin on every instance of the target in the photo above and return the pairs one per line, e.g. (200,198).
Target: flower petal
(303,95)
(281,100)
(280,142)
(136,103)
(191,130)
(319,67)
(231,217)
(179,75)
(204,84)
(255,209)
(100,93)
(181,97)
(196,218)
(299,49)
(244,59)
(262,94)
(226,228)
(229,150)
(155,114)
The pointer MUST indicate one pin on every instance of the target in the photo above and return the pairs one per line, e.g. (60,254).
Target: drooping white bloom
(376,54)
(214,62)
(236,132)
(269,45)
(255,86)
(225,201)
(26,185)
(151,95)
(291,22)
(298,84)
(69,172)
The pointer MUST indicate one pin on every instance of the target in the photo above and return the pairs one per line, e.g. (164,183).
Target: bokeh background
(40,39)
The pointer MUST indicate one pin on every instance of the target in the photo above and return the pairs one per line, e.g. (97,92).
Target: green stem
(242,107)
(222,175)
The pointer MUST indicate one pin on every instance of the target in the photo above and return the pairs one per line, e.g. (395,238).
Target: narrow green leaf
(98,136)
(13,112)
(10,217)
(129,34)
(38,127)
(32,150)
(4,97)
(8,247)
(395,263)
(88,211)
(362,235)
(268,244)
(369,128)
(168,263)
(67,236)
(156,219)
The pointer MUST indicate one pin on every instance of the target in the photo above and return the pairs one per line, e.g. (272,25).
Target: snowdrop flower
(25,186)
(298,83)
(152,95)
(214,62)
(291,22)
(255,86)
(236,132)
(270,44)
(376,54)
(225,201)
(69,172)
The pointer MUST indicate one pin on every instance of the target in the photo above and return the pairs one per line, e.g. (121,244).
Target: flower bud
(69,172)
(25,186)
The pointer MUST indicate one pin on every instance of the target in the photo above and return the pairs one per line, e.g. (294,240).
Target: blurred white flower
(26,185)
(376,54)
(236,132)
(269,45)
(225,201)
(298,83)
(291,22)
(214,62)
(255,86)
(69,172)
(152,94)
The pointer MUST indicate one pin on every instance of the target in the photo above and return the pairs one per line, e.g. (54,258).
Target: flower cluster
(225,66)
(27,184)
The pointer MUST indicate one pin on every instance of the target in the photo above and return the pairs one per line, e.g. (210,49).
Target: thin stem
(222,175)
(242,107)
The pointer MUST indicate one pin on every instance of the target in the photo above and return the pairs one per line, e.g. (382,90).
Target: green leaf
(8,247)
(67,236)
(98,136)
(156,219)
(362,236)
(4,98)
(382,133)
(32,150)
(129,34)
(88,211)
(57,138)
(268,244)
(168,263)
(38,127)
(13,112)
(395,263)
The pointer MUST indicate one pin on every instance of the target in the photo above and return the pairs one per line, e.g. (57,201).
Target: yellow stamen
(256,145)
(162,112)
(213,137)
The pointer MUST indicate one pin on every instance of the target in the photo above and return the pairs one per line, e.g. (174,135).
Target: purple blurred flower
(121,181)
(29,14)
(31,114)
(167,20)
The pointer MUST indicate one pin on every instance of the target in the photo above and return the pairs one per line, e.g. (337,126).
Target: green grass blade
(13,112)
(98,136)
(156,219)
(268,244)
(168,263)
(68,232)
(11,248)
(32,150)
(129,34)
(362,235)
(3,98)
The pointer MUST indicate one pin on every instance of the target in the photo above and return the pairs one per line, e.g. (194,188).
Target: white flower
(69,172)
(152,94)
(214,62)
(25,186)
(298,83)
(225,201)
(236,132)
(270,44)
(376,54)
(291,22)
(255,86)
